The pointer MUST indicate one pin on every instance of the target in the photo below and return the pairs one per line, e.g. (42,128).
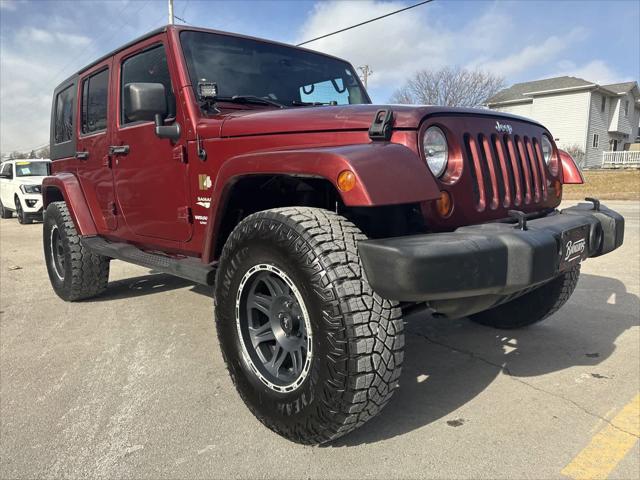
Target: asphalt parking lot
(132,385)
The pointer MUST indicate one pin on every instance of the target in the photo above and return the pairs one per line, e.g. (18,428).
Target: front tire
(75,272)
(349,359)
(22,217)
(532,307)
(5,212)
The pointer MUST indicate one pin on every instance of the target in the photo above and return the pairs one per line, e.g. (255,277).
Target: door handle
(118,149)
(82,155)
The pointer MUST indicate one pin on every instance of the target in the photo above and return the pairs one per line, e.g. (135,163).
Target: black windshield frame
(246,66)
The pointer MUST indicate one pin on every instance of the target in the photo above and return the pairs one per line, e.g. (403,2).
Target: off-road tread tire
(366,330)
(5,212)
(89,272)
(533,307)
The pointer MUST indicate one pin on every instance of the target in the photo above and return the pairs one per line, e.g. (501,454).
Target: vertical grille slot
(489,161)
(541,165)
(537,184)
(517,170)
(507,173)
(526,173)
(477,173)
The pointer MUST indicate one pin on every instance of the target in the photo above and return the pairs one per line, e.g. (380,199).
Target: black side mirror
(148,101)
(143,101)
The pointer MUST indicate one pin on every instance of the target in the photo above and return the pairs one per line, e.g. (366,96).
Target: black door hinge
(202,153)
(382,125)
(179,154)
(185,215)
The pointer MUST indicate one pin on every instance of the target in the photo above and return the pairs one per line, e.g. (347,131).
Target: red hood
(345,117)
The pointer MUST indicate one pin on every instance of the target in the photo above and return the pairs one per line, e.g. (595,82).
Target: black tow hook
(521,217)
(596,203)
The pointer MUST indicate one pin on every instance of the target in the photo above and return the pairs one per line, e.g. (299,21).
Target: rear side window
(94,102)
(63,130)
(149,66)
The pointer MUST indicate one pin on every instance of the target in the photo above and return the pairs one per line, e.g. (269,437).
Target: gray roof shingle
(515,92)
(623,87)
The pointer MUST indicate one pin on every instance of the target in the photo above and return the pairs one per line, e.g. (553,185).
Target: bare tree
(449,86)
(44,152)
(577,153)
(17,155)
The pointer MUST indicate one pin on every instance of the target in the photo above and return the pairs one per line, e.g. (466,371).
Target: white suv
(21,188)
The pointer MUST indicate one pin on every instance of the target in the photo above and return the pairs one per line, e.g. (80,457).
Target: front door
(150,177)
(92,155)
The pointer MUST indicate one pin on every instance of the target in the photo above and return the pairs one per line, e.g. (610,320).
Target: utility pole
(366,73)
(171,12)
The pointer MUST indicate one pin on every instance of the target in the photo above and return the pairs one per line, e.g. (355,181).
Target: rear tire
(354,352)
(5,212)
(532,307)
(75,272)
(22,217)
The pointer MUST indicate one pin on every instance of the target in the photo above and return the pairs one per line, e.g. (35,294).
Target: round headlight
(436,152)
(547,149)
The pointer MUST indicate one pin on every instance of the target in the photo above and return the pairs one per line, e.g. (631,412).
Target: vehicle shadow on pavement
(141,285)
(447,363)
(154,282)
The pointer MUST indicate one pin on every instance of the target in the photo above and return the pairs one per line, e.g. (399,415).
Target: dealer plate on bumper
(574,247)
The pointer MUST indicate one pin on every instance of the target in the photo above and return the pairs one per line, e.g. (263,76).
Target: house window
(626,108)
(596,140)
(604,103)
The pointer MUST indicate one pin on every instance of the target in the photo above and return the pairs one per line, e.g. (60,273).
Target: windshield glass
(244,67)
(32,169)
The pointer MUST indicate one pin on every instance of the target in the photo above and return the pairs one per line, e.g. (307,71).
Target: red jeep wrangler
(263,170)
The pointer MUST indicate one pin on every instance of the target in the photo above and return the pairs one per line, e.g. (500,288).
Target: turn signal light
(346,181)
(444,204)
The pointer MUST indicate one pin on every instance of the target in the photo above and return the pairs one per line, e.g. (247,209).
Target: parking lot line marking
(610,445)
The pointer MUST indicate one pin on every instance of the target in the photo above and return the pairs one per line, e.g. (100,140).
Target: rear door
(92,155)
(150,176)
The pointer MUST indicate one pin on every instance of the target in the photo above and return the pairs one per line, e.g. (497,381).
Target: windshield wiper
(248,99)
(298,103)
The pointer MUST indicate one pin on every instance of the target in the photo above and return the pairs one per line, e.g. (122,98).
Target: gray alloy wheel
(273,323)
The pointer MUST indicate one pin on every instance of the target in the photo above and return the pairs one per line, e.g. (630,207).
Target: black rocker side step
(188,268)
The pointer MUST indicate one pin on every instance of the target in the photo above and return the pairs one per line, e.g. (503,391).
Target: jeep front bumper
(491,258)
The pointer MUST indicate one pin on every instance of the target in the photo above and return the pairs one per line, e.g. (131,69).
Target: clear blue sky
(42,42)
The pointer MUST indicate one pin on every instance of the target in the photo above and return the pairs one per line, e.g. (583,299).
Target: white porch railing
(626,159)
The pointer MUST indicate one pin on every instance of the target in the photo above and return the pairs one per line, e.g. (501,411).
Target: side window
(6,168)
(149,66)
(604,103)
(63,130)
(94,102)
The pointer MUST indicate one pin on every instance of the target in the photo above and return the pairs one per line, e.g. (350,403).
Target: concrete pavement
(132,384)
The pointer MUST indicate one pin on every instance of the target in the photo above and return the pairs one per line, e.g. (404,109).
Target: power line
(365,22)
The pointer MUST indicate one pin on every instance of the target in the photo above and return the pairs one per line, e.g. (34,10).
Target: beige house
(580,114)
